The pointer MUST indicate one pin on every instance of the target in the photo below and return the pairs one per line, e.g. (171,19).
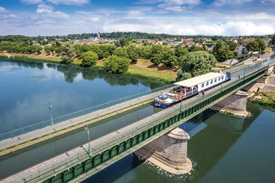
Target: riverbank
(262,93)
(142,68)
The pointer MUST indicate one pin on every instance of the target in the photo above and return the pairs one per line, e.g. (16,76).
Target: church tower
(98,34)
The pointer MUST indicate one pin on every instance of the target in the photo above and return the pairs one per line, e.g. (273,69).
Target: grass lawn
(270,95)
(268,50)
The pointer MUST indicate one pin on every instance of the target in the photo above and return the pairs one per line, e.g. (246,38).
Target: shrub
(89,58)
(116,64)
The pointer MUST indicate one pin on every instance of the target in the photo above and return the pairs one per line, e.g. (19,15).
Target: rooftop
(199,79)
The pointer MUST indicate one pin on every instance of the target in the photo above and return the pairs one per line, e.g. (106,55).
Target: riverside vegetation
(188,62)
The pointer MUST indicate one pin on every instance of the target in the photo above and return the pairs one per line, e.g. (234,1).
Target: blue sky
(179,17)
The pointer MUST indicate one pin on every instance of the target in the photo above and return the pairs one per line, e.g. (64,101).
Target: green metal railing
(113,141)
(46,123)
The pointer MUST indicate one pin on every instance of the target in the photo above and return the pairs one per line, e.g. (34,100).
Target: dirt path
(7,54)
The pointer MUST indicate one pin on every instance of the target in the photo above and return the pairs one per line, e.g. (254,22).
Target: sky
(177,17)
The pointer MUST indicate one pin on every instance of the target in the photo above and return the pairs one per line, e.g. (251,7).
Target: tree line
(19,47)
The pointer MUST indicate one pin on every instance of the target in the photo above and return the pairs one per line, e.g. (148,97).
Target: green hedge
(167,81)
(4,56)
(269,103)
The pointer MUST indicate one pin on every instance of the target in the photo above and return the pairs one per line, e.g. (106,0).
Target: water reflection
(71,72)
(213,137)
(27,87)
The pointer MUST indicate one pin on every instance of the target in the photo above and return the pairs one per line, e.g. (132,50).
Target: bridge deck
(81,151)
(115,109)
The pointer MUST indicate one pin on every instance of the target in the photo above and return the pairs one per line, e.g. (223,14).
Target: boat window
(202,85)
(219,79)
(207,83)
(211,81)
(215,80)
(222,77)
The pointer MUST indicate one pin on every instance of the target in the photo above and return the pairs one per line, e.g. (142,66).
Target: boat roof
(199,79)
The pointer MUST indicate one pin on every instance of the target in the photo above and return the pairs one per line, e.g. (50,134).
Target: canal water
(26,88)
(222,148)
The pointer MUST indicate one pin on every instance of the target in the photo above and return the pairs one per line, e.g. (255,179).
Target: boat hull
(161,105)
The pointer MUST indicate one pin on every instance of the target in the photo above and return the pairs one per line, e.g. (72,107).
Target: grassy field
(269,95)
(142,67)
(268,50)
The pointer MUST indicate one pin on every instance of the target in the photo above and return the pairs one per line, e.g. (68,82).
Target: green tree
(146,43)
(106,54)
(67,53)
(89,58)
(252,46)
(181,75)
(58,50)
(77,47)
(261,43)
(273,40)
(180,51)
(116,64)
(47,49)
(133,56)
(232,46)
(120,52)
(156,54)
(197,63)
(169,58)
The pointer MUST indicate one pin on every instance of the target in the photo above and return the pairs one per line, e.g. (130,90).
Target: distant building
(241,50)
(98,34)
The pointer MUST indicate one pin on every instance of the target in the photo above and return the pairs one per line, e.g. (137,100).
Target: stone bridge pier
(168,152)
(235,103)
(269,70)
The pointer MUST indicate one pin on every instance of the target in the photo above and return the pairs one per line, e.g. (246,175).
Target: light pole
(244,74)
(87,129)
(181,95)
(180,103)
(138,88)
(50,108)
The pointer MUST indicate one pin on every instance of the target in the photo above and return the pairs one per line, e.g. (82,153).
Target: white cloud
(177,5)
(135,13)
(247,28)
(230,2)
(96,19)
(2,9)
(192,27)
(42,10)
(70,2)
(44,6)
(46,11)
(169,3)
(266,2)
(11,16)
(80,22)
(31,1)
(175,9)
(58,15)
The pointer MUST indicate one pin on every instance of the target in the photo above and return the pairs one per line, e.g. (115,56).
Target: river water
(26,88)
(222,148)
